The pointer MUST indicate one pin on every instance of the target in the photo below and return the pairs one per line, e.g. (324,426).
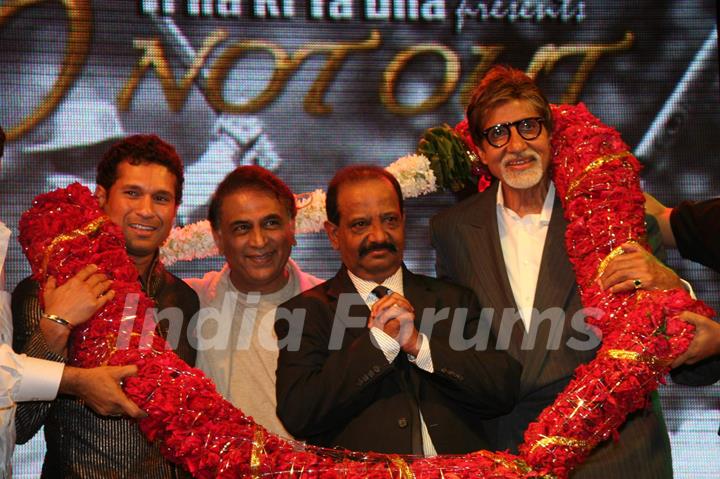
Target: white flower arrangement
(311,212)
(195,241)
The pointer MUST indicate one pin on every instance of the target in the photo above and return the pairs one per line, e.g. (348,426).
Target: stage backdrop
(307,86)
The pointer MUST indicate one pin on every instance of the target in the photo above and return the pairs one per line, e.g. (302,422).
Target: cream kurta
(237,346)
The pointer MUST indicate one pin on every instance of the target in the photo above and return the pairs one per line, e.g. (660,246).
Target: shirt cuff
(40,381)
(387,344)
(5,318)
(4,242)
(688,288)
(423,359)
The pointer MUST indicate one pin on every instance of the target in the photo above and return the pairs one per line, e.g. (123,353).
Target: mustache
(527,154)
(367,249)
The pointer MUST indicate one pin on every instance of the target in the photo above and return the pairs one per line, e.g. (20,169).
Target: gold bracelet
(58,320)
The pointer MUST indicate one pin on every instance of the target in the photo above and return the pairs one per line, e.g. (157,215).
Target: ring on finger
(637,283)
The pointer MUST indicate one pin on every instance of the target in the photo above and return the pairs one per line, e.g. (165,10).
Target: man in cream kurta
(237,346)
(252,214)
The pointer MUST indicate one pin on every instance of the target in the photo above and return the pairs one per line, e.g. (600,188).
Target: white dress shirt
(390,347)
(21,378)
(522,241)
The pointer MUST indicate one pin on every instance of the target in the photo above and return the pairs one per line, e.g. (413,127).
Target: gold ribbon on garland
(547,441)
(611,256)
(635,356)
(597,163)
(403,467)
(87,229)
(258,450)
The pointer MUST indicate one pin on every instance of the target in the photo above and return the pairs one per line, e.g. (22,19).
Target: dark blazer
(468,251)
(338,389)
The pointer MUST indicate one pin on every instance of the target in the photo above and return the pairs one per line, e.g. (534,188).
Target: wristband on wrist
(58,320)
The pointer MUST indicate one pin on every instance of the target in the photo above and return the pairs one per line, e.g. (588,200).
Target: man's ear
(481,155)
(292,231)
(217,237)
(101,195)
(331,230)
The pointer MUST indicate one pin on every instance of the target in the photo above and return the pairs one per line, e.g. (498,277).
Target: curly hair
(136,150)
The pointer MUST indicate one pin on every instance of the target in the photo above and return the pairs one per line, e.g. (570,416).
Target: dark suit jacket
(468,250)
(349,396)
(697,232)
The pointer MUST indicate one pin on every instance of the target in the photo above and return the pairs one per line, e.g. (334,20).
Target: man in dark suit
(404,370)
(507,245)
(693,228)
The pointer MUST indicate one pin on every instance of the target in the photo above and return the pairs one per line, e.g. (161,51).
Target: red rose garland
(193,425)
(597,181)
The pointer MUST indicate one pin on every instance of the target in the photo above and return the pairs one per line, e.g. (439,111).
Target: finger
(123,372)
(627,285)
(378,306)
(86,272)
(690,356)
(131,409)
(680,360)
(104,298)
(127,406)
(632,248)
(393,298)
(692,318)
(95,279)
(50,285)
(375,320)
(624,261)
(392,323)
(615,277)
(406,319)
(118,373)
(100,288)
(384,316)
(402,301)
(392,303)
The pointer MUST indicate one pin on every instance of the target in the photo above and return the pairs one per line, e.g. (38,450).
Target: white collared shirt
(522,241)
(390,347)
(5,316)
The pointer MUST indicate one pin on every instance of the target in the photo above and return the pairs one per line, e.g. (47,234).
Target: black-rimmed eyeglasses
(499,135)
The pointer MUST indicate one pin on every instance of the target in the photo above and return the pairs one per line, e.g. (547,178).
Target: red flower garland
(597,180)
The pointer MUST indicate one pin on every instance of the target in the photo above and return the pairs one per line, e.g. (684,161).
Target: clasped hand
(395,316)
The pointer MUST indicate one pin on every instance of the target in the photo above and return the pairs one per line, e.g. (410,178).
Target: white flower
(414,174)
(311,212)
